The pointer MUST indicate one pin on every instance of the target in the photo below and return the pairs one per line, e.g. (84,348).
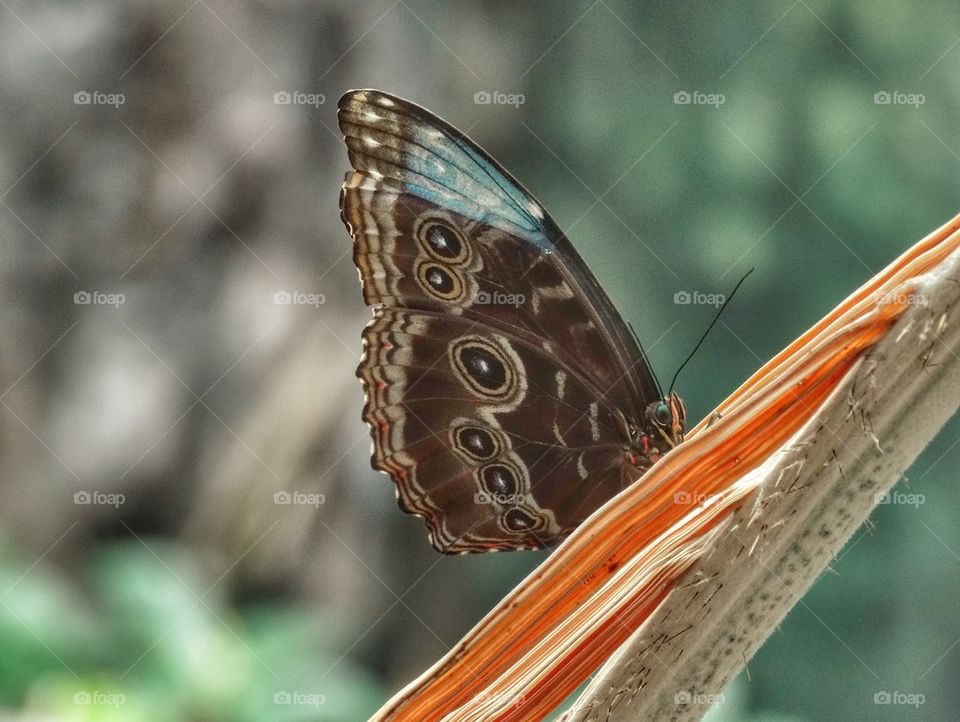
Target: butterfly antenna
(646,360)
(712,324)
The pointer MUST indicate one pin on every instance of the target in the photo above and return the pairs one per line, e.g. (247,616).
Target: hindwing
(489,437)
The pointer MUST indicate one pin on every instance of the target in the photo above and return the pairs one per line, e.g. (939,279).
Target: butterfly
(505,396)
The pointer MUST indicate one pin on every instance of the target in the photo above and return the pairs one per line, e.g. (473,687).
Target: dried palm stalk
(680,578)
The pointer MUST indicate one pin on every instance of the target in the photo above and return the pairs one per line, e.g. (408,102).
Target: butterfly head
(665,419)
(662,430)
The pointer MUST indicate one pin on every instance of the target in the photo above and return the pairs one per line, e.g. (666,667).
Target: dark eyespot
(484,367)
(440,282)
(439,279)
(519,521)
(476,442)
(443,241)
(499,480)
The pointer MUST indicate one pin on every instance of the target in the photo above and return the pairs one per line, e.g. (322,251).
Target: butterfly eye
(662,414)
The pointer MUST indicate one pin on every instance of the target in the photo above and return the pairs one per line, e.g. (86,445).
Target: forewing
(420,187)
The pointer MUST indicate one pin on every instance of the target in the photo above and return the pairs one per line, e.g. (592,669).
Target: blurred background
(189,526)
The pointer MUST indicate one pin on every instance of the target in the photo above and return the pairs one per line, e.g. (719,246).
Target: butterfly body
(506,398)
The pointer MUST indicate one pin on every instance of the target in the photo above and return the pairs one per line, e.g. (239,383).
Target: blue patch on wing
(392,138)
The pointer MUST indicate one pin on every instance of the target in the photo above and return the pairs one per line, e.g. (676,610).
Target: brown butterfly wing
(454,249)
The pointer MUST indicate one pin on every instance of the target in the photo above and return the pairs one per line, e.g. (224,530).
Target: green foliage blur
(147,640)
